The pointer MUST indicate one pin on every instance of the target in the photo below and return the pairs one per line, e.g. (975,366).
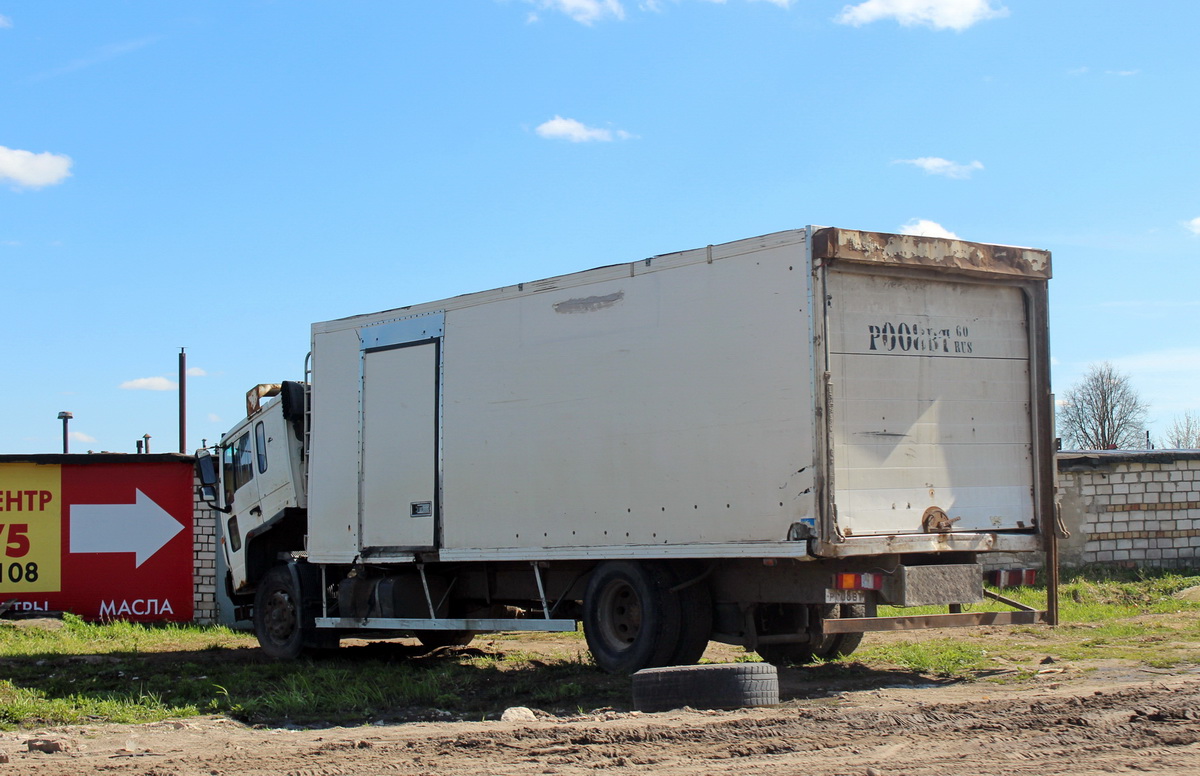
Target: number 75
(17,545)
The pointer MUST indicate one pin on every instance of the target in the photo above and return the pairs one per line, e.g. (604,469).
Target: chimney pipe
(182,400)
(65,416)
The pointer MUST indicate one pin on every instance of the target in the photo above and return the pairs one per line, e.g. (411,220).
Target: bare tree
(1103,412)
(1184,432)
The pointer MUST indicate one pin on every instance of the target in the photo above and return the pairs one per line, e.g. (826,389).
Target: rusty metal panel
(930,393)
(832,244)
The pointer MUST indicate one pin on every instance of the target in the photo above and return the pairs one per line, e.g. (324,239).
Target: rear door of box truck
(937,392)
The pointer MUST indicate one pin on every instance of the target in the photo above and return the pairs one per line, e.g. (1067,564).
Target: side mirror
(206,471)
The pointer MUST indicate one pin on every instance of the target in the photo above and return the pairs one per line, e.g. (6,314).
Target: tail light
(1012,577)
(866,581)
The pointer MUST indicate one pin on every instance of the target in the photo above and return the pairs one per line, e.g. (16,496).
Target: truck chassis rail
(454,624)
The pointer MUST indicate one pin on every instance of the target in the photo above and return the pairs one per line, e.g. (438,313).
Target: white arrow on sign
(142,527)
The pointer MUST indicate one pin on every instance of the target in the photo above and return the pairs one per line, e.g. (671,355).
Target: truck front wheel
(278,615)
(631,618)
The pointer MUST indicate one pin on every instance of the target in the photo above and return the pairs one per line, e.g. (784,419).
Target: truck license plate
(833,596)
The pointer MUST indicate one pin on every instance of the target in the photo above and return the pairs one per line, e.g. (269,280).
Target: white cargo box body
(697,404)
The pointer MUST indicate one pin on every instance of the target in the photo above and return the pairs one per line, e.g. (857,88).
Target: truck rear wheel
(821,647)
(696,608)
(631,618)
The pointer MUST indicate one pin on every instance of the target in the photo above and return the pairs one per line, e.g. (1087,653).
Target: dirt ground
(1094,718)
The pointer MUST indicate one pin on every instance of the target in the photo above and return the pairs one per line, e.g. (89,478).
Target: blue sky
(219,174)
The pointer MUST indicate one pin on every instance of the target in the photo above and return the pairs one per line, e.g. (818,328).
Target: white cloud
(79,436)
(583,11)
(935,165)
(149,384)
(5,22)
(214,417)
(921,227)
(591,11)
(1123,73)
(938,14)
(195,371)
(1193,226)
(26,168)
(559,128)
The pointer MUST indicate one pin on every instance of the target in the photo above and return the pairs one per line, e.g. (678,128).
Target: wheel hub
(281,616)
(623,620)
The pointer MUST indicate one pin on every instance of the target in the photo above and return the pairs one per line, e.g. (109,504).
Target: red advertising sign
(104,538)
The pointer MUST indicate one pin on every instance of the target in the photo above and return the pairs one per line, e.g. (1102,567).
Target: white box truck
(756,443)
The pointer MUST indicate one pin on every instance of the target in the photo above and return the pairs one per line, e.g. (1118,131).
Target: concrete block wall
(1131,508)
(204,565)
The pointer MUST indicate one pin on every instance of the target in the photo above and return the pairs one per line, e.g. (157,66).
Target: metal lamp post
(65,416)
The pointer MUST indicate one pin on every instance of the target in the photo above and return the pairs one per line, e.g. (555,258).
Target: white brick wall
(1131,508)
(204,565)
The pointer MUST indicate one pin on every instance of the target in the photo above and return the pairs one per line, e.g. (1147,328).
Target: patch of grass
(72,635)
(76,672)
(25,706)
(72,672)
(1092,594)
(941,657)
(1105,614)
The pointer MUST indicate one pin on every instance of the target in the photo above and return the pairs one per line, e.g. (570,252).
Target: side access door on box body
(399,445)
(937,395)
(375,456)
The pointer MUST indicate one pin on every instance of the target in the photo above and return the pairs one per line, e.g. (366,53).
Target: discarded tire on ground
(720,686)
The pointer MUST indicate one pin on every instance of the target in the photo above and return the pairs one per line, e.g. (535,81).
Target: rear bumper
(1024,615)
(922,621)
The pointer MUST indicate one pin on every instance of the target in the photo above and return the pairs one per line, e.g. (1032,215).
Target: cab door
(239,463)
(238,480)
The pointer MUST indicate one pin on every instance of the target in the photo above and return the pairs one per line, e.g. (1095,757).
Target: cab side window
(243,462)
(238,466)
(260,444)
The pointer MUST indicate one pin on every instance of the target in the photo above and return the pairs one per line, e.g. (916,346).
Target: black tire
(631,618)
(434,639)
(721,686)
(824,647)
(696,608)
(279,615)
(850,641)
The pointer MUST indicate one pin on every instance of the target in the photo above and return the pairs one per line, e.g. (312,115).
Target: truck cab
(259,482)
